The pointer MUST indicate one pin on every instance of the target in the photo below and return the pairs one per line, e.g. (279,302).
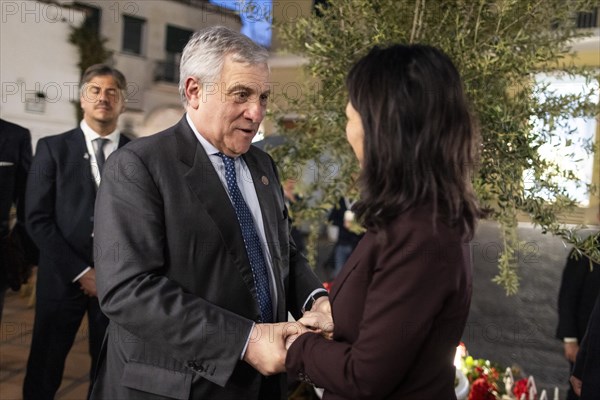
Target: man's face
(228,112)
(102,101)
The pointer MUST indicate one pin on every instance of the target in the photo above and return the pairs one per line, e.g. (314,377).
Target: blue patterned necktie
(251,240)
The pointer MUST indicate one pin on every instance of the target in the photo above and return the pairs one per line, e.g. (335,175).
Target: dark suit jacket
(60,210)
(579,289)
(399,308)
(587,366)
(15,160)
(173,275)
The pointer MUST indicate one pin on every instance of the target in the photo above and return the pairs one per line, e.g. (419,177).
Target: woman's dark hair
(420,143)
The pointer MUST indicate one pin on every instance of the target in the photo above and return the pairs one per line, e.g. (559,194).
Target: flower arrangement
(484,379)
(488,382)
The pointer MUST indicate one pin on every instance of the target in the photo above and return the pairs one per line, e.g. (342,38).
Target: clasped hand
(268,344)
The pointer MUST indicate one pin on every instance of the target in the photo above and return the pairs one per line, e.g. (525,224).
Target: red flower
(494,374)
(520,388)
(481,390)
(327,286)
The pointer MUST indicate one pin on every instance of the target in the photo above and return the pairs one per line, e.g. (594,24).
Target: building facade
(146,38)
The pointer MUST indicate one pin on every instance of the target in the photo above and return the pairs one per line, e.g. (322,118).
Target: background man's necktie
(251,240)
(98,145)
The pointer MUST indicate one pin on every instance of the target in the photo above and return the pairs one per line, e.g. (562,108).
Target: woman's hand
(319,318)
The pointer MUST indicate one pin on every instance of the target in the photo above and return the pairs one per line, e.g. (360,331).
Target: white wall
(35,56)
(144,95)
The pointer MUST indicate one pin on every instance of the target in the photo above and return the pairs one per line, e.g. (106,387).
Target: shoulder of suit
(14,130)
(260,155)
(62,136)
(259,152)
(418,224)
(152,146)
(151,140)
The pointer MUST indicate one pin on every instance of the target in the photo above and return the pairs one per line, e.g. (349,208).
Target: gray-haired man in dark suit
(196,268)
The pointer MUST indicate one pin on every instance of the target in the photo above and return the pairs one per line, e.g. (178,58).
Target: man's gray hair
(204,55)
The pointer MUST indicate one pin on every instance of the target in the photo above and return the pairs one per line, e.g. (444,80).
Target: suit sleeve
(569,297)
(397,318)
(134,292)
(25,156)
(592,334)
(41,216)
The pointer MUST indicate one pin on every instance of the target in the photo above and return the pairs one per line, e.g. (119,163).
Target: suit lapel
(3,136)
(264,184)
(350,265)
(79,158)
(123,140)
(206,185)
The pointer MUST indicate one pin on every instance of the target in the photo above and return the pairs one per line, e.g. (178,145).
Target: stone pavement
(15,339)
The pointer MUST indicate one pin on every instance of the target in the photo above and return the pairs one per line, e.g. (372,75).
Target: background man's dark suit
(579,289)
(173,275)
(15,159)
(587,366)
(61,193)
(578,292)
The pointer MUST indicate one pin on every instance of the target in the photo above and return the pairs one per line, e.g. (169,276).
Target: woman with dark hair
(401,301)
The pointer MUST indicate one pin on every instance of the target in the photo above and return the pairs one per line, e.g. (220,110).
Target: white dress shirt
(109,147)
(246,185)
(89,134)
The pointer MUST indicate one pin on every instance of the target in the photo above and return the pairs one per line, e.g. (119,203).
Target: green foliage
(91,49)
(497,46)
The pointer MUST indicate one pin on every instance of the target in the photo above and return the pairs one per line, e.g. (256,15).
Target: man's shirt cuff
(247,341)
(81,274)
(320,292)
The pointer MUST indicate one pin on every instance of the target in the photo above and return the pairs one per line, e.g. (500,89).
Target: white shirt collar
(208,147)
(90,134)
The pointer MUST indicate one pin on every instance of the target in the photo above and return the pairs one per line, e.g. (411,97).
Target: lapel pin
(264,180)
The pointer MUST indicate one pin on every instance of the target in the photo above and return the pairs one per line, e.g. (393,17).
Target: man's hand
(88,283)
(571,350)
(292,331)
(266,349)
(319,317)
(576,384)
